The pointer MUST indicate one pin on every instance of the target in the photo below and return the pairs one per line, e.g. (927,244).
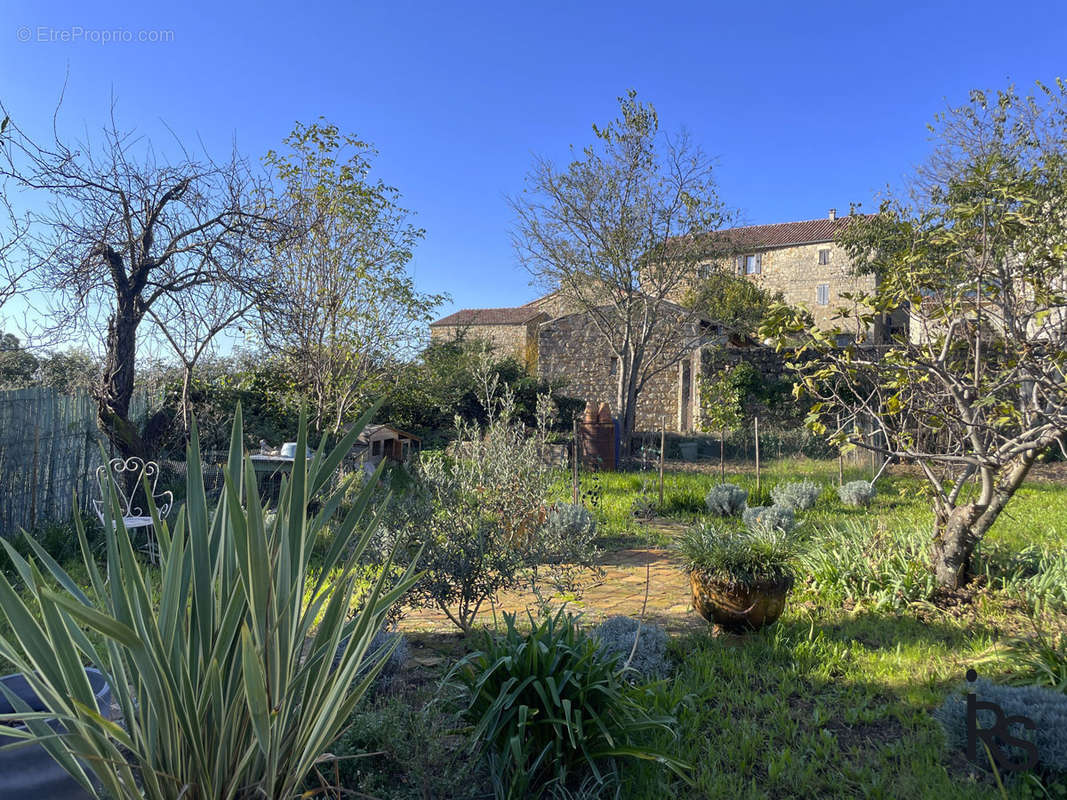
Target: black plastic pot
(28,771)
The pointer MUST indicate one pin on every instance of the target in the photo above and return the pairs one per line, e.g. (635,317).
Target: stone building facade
(803,262)
(572,350)
(510,331)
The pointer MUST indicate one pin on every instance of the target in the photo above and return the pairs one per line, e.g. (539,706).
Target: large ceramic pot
(739,607)
(28,771)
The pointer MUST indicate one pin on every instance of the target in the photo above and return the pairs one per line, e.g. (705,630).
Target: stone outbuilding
(557,342)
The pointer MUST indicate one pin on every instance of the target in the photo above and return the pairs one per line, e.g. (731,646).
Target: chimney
(833,214)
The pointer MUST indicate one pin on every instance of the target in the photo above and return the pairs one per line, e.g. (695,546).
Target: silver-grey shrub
(615,637)
(726,499)
(568,527)
(856,493)
(769,518)
(1046,707)
(799,496)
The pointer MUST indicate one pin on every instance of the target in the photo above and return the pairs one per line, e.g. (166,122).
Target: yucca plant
(552,710)
(238,678)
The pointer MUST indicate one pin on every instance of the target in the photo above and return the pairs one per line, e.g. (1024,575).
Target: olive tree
(977,259)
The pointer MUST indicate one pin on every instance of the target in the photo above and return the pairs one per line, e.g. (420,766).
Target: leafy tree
(977,391)
(347,311)
(721,396)
(442,383)
(735,302)
(17,365)
(618,232)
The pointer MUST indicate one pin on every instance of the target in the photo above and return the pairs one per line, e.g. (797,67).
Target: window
(824,257)
(844,339)
(613,366)
(822,294)
(749,264)
(376,448)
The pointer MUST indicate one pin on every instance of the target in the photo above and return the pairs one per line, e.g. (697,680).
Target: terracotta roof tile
(489,316)
(784,234)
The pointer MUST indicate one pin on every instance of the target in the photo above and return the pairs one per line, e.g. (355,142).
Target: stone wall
(571,349)
(769,364)
(515,341)
(795,271)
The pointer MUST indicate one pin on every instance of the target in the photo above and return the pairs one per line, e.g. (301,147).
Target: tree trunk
(958,532)
(117,391)
(722,456)
(954,542)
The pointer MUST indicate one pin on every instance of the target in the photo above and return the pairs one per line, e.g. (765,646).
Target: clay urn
(590,411)
(604,415)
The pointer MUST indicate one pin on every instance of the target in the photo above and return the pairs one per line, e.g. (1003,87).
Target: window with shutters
(822,294)
(750,264)
(824,256)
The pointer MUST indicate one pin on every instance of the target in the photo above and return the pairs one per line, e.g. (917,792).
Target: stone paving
(621,590)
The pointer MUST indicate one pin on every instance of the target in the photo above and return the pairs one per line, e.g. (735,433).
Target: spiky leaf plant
(227,684)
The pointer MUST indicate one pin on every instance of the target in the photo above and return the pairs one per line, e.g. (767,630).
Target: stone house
(803,261)
(557,342)
(510,331)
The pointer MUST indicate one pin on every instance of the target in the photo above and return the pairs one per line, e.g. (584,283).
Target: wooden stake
(840,459)
(756,420)
(574,466)
(662,450)
(722,461)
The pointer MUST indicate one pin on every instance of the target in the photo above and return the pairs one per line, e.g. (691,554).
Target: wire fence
(49,449)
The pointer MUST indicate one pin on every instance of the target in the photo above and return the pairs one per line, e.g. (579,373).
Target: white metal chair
(133,516)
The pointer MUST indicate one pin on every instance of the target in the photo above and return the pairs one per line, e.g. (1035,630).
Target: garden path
(621,590)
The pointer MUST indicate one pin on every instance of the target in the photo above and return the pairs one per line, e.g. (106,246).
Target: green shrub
(1037,574)
(1047,708)
(726,500)
(738,558)
(551,710)
(769,518)
(228,681)
(799,496)
(475,515)
(857,494)
(405,747)
(858,562)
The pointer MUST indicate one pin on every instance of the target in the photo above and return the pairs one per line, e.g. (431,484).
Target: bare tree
(619,233)
(123,231)
(192,321)
(978,390)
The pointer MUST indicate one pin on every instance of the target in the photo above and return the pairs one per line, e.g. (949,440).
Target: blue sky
(806,106)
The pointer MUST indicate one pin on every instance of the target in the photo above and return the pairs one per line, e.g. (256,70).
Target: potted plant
(740,580)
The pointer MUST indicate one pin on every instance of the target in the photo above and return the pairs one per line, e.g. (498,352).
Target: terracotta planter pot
(739,608)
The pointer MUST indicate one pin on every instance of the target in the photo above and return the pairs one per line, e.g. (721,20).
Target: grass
(834,700)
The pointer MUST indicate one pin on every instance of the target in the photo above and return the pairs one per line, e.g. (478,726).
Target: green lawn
(832,701)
